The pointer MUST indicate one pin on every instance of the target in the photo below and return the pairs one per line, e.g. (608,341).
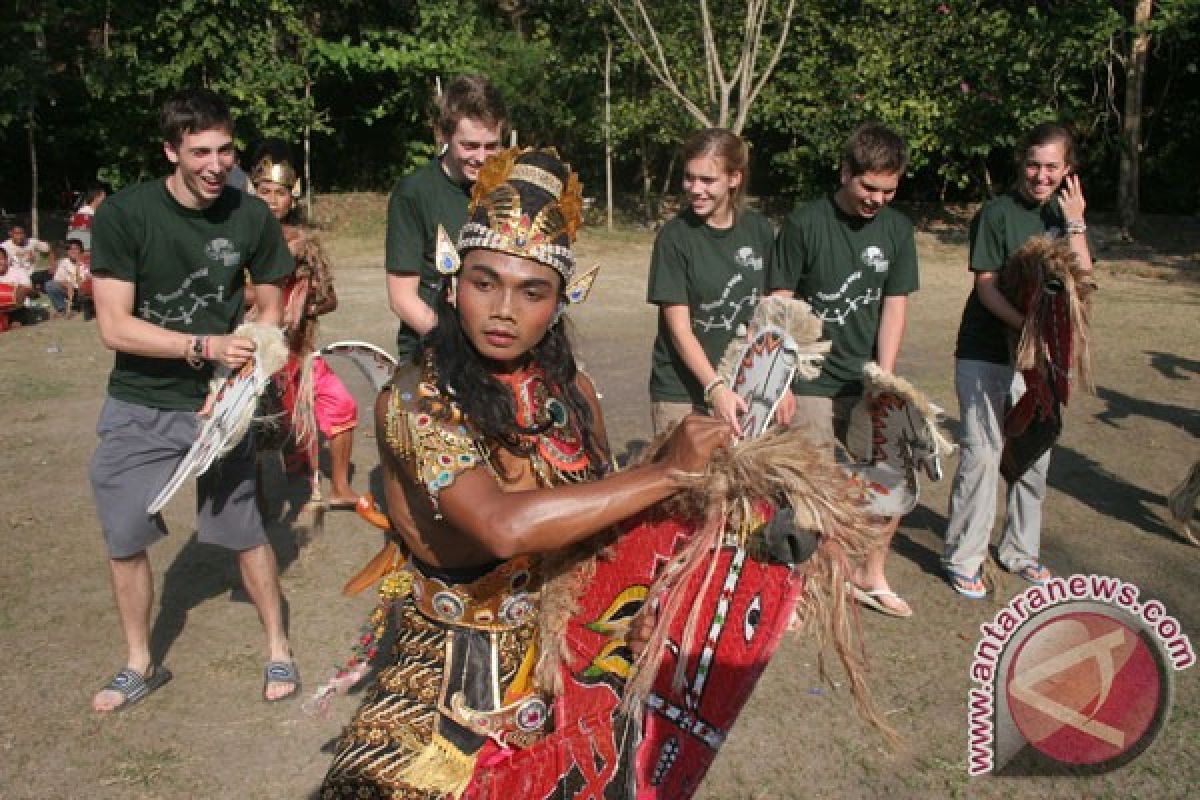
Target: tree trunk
(651,209)
(608,176)
(666,184)
(308,212)
(1131,124)
(33,172)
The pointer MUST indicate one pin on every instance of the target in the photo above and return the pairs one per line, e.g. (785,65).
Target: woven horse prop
(1045,282)
(894,436)
(722,565)
(229,409)
(1181,502)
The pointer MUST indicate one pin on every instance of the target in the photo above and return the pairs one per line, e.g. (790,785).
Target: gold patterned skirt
(458,649)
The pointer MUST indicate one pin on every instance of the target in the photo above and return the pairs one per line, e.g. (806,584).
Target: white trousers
(984,392)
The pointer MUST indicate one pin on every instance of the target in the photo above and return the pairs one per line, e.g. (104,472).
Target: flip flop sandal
(962,584)
(133,686)
(281,672)
(872,598)
(1034,573)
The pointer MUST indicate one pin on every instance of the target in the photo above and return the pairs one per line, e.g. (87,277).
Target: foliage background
(81,80)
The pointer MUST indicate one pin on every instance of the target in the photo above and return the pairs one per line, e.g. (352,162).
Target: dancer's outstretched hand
(693,442)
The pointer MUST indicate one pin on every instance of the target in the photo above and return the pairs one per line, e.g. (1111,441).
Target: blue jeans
(57,292)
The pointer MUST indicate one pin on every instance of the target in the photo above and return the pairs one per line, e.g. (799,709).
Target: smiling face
(202,163)
(864,195)
(506,304)
(468,147)
(1042,171)
(277,197)
(709,187)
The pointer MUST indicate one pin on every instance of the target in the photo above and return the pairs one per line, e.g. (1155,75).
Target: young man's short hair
(193,111)
(471,96)
(874,148)
(73,242)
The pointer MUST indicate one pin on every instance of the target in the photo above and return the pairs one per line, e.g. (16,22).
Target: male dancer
(854,260)
(495,461)
(469,120)
(168,259)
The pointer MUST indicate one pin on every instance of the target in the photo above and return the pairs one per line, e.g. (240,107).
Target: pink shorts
(334,406)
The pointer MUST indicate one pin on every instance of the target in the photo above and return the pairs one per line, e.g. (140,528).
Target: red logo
(1087,688)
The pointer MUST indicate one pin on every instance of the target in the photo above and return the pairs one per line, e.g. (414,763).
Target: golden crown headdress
(281,172)
(527,203)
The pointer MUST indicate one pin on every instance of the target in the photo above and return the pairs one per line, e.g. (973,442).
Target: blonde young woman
(706,276)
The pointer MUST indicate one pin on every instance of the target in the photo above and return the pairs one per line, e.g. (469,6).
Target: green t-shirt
(719,275)
(1001,228)
(422,200)
(843,267)
(187,269)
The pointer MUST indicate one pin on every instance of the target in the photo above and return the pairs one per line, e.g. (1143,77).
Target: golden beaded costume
(467,641)
(465,645)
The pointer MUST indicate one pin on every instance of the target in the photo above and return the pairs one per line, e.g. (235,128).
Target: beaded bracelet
(1076,226)
(711,387)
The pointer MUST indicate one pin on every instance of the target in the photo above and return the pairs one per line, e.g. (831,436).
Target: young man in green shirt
(470,120)
(854,260)
(168,260)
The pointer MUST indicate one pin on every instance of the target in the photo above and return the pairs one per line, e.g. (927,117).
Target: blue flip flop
(962,584)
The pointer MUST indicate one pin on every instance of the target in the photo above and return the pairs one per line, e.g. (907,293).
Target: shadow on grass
(1172,366)
(1075,474)
(1121,406)
(202,571)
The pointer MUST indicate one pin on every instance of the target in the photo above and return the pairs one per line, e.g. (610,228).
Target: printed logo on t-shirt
(181,305)
(873,257)
(746,259)
(722,313)
(224,251)
(837,307)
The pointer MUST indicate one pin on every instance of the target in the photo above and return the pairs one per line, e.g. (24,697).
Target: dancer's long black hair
(488,403)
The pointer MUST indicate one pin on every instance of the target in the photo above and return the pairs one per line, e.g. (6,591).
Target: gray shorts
(138,451)
(825,418)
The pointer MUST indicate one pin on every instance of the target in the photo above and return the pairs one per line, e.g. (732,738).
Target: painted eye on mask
(752,618)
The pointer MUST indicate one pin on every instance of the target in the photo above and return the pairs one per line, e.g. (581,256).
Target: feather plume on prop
(1045,281)
(229,409)
(795,318)
(860,433)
